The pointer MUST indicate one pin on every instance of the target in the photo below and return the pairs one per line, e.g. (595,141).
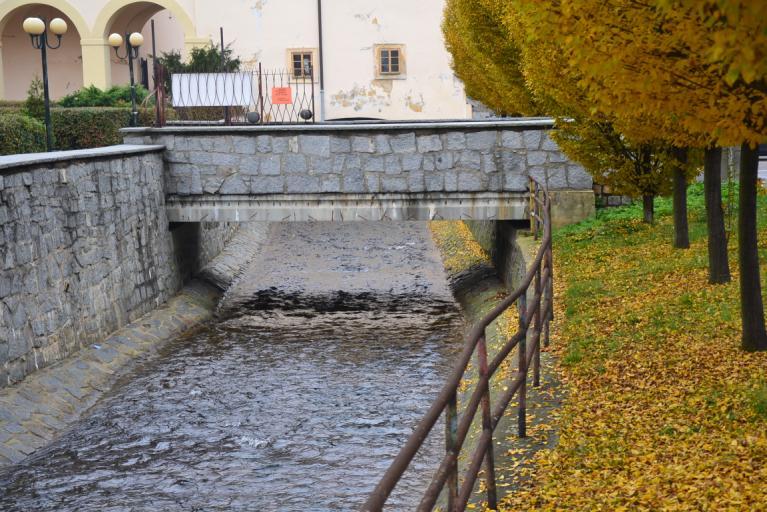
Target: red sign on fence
(282,96)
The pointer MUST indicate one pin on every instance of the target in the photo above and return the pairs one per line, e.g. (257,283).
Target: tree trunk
(718,263)
(681,231)
(752,310)
(648,205)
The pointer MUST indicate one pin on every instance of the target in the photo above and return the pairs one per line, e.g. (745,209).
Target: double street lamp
(38,33)
(132,43)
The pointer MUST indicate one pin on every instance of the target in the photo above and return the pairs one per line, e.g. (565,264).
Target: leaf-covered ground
(664,410)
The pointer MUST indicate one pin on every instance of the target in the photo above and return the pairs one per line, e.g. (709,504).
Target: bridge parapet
(231,173)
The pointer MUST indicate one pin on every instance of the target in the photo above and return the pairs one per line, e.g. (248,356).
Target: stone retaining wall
(85,248)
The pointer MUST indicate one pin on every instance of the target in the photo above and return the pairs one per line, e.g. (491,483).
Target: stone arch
(19,62)
(8,8)
(133,16)
(114,8)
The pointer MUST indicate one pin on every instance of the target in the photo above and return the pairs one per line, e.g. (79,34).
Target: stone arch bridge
(469,170)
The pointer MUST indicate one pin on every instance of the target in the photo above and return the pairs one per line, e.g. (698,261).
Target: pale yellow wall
(21,62)
(262,31)
(85,57)
(169,36)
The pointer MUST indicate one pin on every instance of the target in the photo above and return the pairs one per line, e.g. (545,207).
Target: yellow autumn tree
(501,65)
(636,165)
(485,58)
(698,70)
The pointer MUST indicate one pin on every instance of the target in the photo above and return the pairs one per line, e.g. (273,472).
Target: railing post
(160,94)
(522,356)
(260,95)
(451,433)
(549,256)
(487,425)
(541,226)
(533,208)
(537,357)
(549,296)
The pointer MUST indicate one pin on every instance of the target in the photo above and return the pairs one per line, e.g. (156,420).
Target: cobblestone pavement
(45,403)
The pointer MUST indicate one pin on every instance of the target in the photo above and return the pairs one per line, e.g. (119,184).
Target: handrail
(539,313)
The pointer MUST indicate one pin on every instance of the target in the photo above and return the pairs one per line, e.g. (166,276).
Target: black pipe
(154,79)
(322,63)
(46,94)
(132,55)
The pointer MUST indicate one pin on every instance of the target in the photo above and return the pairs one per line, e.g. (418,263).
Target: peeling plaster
(386,85)
(369,18)
(376,96)
(258,6)
(415,106)
(252,61)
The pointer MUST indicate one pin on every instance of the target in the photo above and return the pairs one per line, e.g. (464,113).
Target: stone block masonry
(362,159)
(85,248)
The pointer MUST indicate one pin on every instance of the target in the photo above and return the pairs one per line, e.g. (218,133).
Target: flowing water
(298,399)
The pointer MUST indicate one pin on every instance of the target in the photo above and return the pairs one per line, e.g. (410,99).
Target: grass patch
(758,400)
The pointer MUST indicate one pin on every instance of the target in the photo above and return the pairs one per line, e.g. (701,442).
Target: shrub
(20,134)
(92,96)
(201,60)
(81,128)
(35,104)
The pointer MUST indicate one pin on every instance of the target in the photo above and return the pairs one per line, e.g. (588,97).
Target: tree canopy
(510,65)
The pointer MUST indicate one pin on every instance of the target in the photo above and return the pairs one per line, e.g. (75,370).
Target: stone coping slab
(521,123)
(15,163)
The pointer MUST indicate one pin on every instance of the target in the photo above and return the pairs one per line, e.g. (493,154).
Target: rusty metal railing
(534,319)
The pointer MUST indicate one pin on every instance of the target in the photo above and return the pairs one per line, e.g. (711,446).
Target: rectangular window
(390,61)
(302,64)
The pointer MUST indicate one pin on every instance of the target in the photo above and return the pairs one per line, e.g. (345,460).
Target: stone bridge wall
(362,159)
(85,248)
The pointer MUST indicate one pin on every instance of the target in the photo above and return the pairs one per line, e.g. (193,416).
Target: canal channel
(326,351)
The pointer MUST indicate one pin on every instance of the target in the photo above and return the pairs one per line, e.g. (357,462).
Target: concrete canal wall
(499,239)
(85,249)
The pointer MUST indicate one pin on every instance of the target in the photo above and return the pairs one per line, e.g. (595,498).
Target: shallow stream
(289,405)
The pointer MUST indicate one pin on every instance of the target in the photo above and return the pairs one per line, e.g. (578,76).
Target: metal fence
(534,319)
(255,96)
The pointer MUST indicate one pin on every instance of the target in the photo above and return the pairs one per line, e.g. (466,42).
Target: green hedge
(20,134)
(81,128)
(73,128)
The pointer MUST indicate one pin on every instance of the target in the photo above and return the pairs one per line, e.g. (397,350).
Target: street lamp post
(38,33)
(132,44)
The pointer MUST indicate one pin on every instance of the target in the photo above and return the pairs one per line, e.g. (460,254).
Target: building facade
(379,59)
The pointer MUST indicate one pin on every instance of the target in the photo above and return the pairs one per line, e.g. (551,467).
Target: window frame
(401,74)
(290,55)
